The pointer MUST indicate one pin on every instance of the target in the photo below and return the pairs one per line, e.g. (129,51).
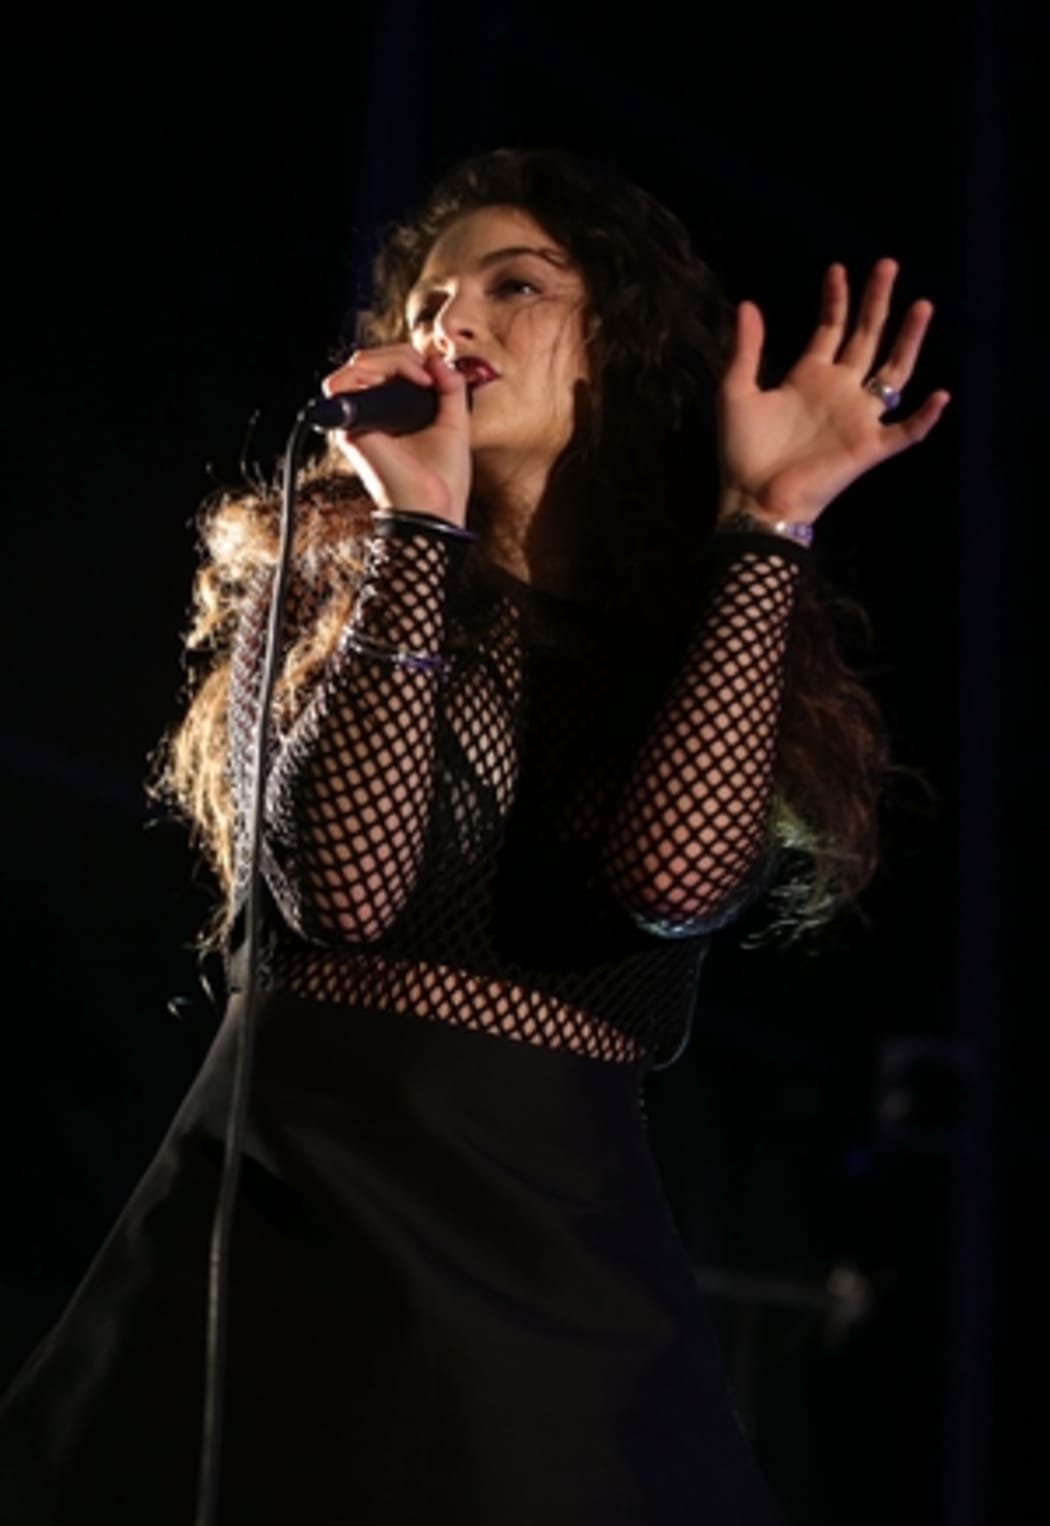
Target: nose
(456,323)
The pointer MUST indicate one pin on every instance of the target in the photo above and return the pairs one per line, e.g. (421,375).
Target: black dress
(457,1294)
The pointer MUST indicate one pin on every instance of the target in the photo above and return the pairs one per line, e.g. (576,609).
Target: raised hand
(787,451)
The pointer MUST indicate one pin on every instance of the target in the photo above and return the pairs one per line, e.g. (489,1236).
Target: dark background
(851,1143)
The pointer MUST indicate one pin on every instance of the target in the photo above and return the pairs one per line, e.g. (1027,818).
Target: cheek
(572,370)
(573,358)
(547,329)
(562,358)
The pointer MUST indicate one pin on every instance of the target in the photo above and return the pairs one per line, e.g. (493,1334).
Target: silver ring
(888,396)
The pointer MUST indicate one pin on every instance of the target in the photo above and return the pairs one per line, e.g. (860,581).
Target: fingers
(860,348)
(917,426)
(834,310)
(370,368)
(828,343)
(741,375)
(898,367)
(453,406)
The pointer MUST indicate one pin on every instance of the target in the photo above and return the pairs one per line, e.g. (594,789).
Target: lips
(475,370)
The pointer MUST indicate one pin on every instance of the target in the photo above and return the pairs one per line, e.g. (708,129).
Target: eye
(515,286)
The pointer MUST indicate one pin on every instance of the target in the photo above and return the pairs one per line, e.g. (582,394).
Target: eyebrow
(552,256)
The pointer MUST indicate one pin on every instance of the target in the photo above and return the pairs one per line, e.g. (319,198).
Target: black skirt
(458,1299)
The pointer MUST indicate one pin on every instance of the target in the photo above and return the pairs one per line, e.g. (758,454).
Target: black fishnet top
(533,835)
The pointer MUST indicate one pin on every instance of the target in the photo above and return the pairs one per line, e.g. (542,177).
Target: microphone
(396,407)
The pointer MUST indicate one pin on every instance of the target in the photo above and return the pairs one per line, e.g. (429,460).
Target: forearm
(692,823)
(348,798)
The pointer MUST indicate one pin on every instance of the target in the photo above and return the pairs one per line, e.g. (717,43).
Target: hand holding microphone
(404,424)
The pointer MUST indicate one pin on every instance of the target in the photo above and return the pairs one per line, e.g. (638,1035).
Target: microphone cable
(210,1457)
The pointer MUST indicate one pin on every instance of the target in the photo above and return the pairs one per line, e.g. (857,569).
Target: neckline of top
(511,583)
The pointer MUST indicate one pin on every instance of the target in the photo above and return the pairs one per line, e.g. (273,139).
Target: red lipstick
(476,370)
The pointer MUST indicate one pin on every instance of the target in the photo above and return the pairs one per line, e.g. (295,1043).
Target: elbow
(352,918)
(340,904)
(677,916)
(681,898)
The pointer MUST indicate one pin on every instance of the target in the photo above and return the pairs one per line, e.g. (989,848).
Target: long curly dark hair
(645,454)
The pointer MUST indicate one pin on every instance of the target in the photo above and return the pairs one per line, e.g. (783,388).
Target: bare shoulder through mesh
(475,825)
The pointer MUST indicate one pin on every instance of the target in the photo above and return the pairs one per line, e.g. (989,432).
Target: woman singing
(556,699)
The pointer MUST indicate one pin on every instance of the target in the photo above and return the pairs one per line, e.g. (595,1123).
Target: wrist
(419,521)
(741,516)
(419,503)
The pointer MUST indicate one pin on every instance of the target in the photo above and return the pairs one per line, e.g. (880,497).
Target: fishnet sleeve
(692,823)
(349,792)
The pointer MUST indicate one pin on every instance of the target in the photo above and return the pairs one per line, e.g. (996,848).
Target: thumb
(741,375)
(451,387)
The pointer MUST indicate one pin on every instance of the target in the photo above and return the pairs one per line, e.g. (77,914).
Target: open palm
(788,451)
